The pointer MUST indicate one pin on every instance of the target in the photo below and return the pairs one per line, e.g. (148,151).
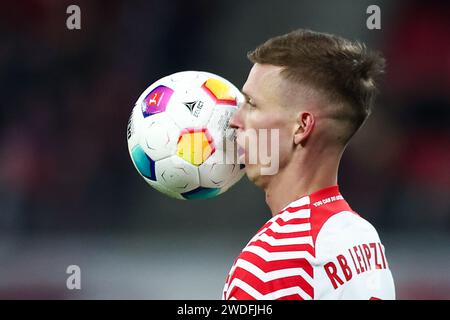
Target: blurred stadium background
(69,193)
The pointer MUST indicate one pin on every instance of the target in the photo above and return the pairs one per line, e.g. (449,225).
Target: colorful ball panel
(201,193)
(156,100)
(195,145)
(144,164)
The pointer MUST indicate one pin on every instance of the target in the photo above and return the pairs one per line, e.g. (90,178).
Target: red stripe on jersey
(281,235)
(283,248)
(240,294)
(281,222)
(266,225)
(267,287)
(268,266)
(295,209)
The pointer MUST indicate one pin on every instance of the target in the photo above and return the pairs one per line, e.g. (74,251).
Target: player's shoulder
(330,218)
(330,214)
(343,229)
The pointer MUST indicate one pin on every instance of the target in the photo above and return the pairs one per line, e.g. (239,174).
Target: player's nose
(236,120)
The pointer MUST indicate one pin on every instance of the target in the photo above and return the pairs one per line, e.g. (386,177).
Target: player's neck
(298,179)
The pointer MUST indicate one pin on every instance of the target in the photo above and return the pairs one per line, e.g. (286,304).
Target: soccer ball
(178,135)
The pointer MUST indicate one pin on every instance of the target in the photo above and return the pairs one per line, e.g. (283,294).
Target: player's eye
(251,103)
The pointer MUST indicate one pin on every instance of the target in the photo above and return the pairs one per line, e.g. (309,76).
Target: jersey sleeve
(351,261)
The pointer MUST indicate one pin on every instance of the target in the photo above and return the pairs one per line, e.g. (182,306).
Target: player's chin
(253,172)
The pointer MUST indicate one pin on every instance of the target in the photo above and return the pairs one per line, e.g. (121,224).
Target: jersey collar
(318,198)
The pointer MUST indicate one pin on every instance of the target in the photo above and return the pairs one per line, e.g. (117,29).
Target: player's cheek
(282,147)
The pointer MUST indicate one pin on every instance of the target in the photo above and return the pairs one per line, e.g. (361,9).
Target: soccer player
(317,90)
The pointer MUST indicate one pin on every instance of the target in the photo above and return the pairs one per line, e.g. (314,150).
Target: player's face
(264,126)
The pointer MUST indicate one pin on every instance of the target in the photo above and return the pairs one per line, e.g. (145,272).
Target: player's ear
(304,127)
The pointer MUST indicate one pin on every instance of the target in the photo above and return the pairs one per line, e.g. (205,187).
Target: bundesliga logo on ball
(178,135)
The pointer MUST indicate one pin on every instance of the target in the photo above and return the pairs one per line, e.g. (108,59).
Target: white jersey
(315,248)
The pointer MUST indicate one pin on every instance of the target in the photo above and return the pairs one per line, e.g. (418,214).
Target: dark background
(69,193)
